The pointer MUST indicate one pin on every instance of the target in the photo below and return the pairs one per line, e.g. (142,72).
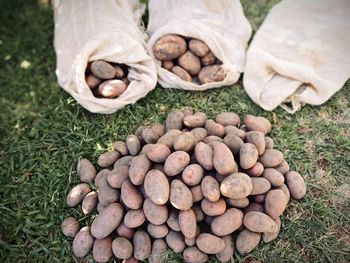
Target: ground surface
(43,132)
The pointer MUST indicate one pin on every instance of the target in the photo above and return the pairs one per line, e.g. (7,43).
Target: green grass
(43,132)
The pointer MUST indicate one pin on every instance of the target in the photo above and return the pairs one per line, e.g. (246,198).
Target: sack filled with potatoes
(197,45)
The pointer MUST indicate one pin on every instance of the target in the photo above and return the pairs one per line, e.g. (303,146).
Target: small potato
(156,214)
(102,69)
(77,194)
(142,245)
(124,231)
(188,223)
(86,171)
(159,231)
(190,62)
(159,129)
(92,81)
(210,244)
(157,187)
(204,155)
(234,143)
(254,207)
(122,248)
(106,194)
(159,246)
(227,253)
(194,255)
(121,147)
(227,223)
(102,250)
(258,139)
(269,236)
(232,130)
(236,186)
(158,153)
(285,190)
(198,212)
(134,218)
(275,203)
(193,174)
(223,159)
(89,202)
(197,194)
(112,88)
(119,72)
(261,124)
(213,208)
(175,241)
(296,185)
(133,144)
(130,195)
(214,128)
(283,167)
(214,73)
(256,170)
(168,64)
(125,160)
(208,59)
(275,177)
(108,158)
(238,203)
(196,120)
(271,158)
(70,227)
(199,133)
(210,188)
(259,222)
(228,118)
(83,242)
(259,198)
(176,163)
(260,185)
(185,142)
(181,73)
(107,220)
(173,220)
(169,138)
(248,155)
(180,195)
(268,142)
(247,241)
(140,165)
(117,176)
(198,47)
(149,135)
(169,47)
(174,120)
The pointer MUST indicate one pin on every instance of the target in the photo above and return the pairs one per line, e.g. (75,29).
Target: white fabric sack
(221,24)
(87,30)
(301,54)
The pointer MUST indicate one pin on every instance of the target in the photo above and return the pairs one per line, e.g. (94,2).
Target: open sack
(220,24)
(110,30)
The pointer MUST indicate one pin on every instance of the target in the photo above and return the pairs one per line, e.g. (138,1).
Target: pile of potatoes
(106,79)
(188,58)
(196,186)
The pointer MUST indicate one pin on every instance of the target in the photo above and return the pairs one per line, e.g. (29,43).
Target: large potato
(108,158)
(213,208)
(120,146)
(169,137)
(124,231)
(260,185)
(269,236)
(70,227)
(190,62)
(142,245)
(227,223)
(89,202)
(77,194)
(247,241)
(173,220)
(131,196)
(194,255)
(271,158)
(274,176)
(223,159)
(112,88)
(248,155)
(296,185)
(228,118)
(236,186)
(196,120)
(283,167)
(204,155)
(214,128)
(275,203)
(210,244)
(159,231)
(188,223)
(256,170)
(83,242)
(198,47)
(199,133)
(193,174)
(86,171)
(258,139)
(122,248)
(176,163)
(259,222)
(175,241)
(102,69)
(197,194)
(157,187)
(158,153)
(159,246)
(174,120)
(232,130)
(133,144)
(261,124)
(156,214)
(107,220)
(214,73)
(118,175)
(180,195)
(149,135)
(233,142)
(227,253)
(102,250)
(134,218)
(140,165)
(238,203)
(185,142)
(169,47)
(210,188)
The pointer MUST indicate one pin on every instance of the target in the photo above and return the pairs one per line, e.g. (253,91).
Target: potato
(158,153)
(227,223)
(204,155)
(210,244)
(197,194)
(149,135)
(223,159)
(106,194)
(212,138)
(134,218)
(122,248)
(258,139)
(227,253)
(125,160)
(234,143)
(133,144)
(102,69)
(232,130)
(100,177)
(142,245)
(213,208)
(269,236)
(119,72)
(124,231)
(194,255)
(198,212)
(283,167)
(176,163)
(107,220)
(192,241)
(92,81)
(121,147)
(174,120)
(117,176)
(214,73)
(77,194)
(156,214)
(140,165)
(198,47)
(190,62)
(274,176)
(157,187)
(112,88)
(253,123)
(259,222)
(159,129)
(268,142)
(173,220)
(214,128)
(199,133)
(181,73)
(108,158)
(86,171)
(238,203)
(210,188)
(285,190)
(247,241)
(100,207)
(260,185)
(180,195)
(271,158)
(296,185)
(185,142)
(131,196)
(130,260)
(259,198)
(254,207)
(248,155)
(89,202)
(70,227)
(275,203)
(196,120)
(256,170)
(169,137)
(167,64)
(102,250)
(188,223)
(157,231)
(159,246)
(193,174)
(208,59)
(169,47)
(236,186)
(83,242)
(228,118)
(175,241)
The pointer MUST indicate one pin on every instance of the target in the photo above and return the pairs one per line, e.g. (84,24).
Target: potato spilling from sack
(197,186)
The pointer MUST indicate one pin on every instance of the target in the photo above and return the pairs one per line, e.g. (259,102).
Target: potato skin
(247,241)
(140,165)
(253,206)
(208,59)
(185,142)
(124,231)
(223,159)
(122,248)
(92,81)
(77,194)
(198,47)
(227,223)
(228,118)
(204,155)
(106,194)
(260,185)
(210,244)
(174,120)
(83,242)
(230,129)
(194,255)
(214,128)
(149,136)
(180,195)
(176,163)
(227,253)
(193,174)
(112,88)
(210,188)
(158,153)
(268,142)
(196,120)
(175,241)
(188,223)
(256,170)
(167,64)
(108,158)
(157,187)
(181,73)
(261,124)
(102,250)
(285,190)
(117,176)
(258,139)
(133,144)
(157,231)
(259,222)
(156,214)
(236,186)
(86,171)
(70,227)
(169,47)
(102,69)
(169,137)
(197,194)
(275,203)
(271,158)
(89,202)
(159,246)
(283,167)
(248,155)
(142,245)
(269,236)
(208,74)
(130,195)
(199,133)
(238,203)
(213,208)
(134,218)
(296,185)
(233,142)
(173,220)
(275,177)
(190,62)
